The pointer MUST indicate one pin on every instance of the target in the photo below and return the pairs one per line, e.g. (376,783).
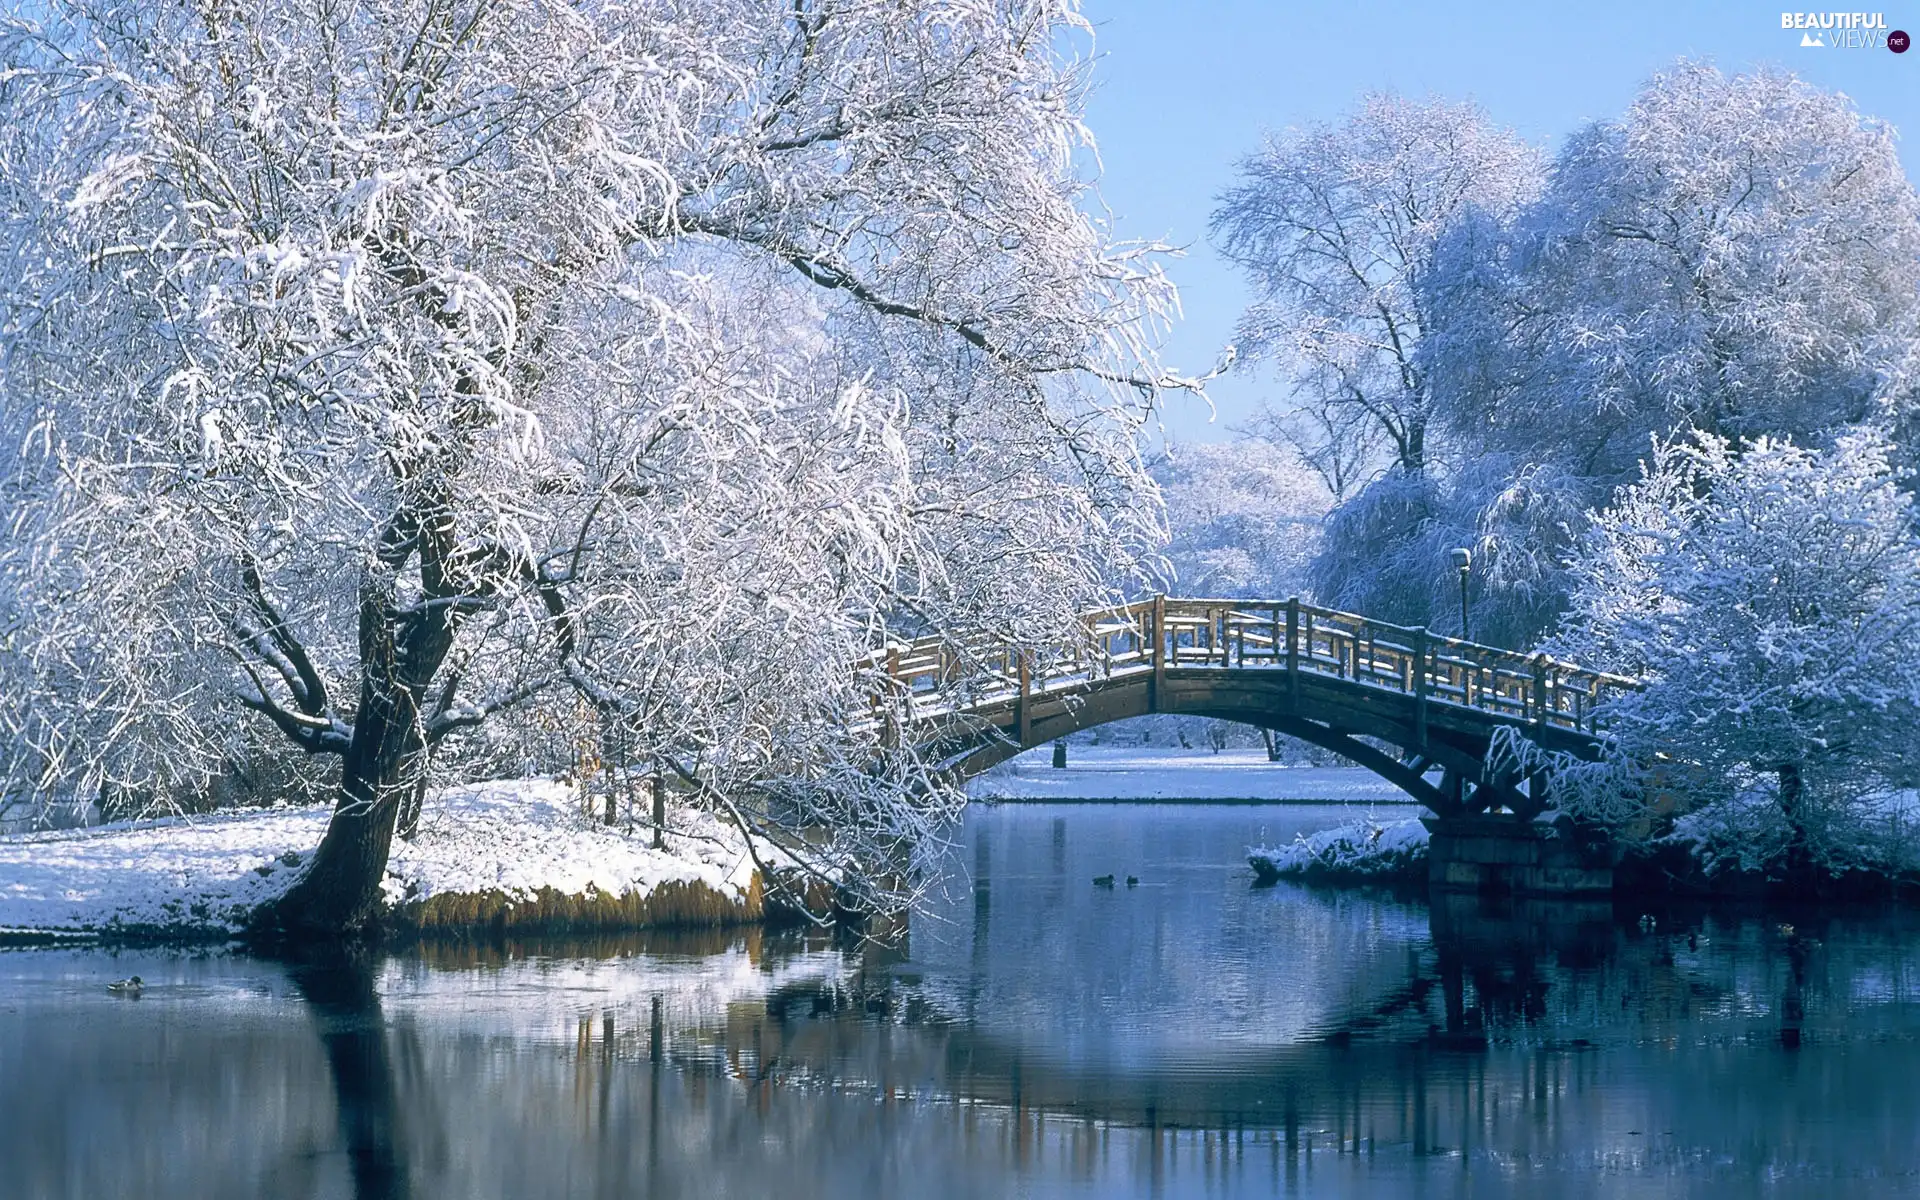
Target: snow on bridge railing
(936,676)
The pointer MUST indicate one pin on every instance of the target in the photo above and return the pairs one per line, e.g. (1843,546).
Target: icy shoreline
(483,853)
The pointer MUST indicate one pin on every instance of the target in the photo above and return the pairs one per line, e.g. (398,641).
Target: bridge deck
(939,677)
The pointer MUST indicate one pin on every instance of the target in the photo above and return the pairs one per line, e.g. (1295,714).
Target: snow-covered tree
(1770,596)
(386,370)
(1334,225)
(1245,518)
(1738,254)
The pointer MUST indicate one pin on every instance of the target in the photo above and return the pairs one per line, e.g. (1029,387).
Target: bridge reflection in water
(1034,1036)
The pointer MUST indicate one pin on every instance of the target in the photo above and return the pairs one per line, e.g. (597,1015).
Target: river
(1035,1035)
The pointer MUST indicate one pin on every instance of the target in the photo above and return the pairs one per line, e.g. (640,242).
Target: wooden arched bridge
(1419,709)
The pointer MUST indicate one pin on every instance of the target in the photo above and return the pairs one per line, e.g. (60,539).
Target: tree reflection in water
(339,987)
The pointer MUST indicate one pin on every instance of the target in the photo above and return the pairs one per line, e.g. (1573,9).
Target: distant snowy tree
(389,370)
(1244,516)
(1340,443)
(1334,225)
(1770,595)
(1387,549)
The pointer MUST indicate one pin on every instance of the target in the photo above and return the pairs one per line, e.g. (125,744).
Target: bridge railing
(934,676)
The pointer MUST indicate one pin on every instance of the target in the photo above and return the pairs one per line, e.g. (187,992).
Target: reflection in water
(339,988)
(1036,1036)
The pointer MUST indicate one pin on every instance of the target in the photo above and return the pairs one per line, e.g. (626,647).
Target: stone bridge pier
(1500,853)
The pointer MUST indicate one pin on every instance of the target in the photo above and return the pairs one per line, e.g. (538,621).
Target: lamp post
(1463,563)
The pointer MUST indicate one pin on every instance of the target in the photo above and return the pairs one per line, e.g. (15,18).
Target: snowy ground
(1128,773)
(209,873)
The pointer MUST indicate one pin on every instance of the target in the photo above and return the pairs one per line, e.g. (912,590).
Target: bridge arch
(1409,771)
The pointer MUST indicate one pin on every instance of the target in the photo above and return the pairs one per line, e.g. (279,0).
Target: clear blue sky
(1183,89)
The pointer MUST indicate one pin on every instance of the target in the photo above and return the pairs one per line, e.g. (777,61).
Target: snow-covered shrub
(1366,850)
(1770,596)
(1386,550)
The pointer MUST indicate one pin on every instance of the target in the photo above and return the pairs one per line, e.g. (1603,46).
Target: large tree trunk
(340,893)
(1799,866)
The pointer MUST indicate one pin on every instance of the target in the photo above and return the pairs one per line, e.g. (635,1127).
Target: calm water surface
(1035,1036)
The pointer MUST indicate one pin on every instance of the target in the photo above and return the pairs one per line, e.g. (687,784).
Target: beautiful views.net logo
(1845,31)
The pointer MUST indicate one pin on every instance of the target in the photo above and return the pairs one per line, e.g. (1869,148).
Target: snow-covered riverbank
(1366,851)
(481,852)
(1129,773)
(523,852)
